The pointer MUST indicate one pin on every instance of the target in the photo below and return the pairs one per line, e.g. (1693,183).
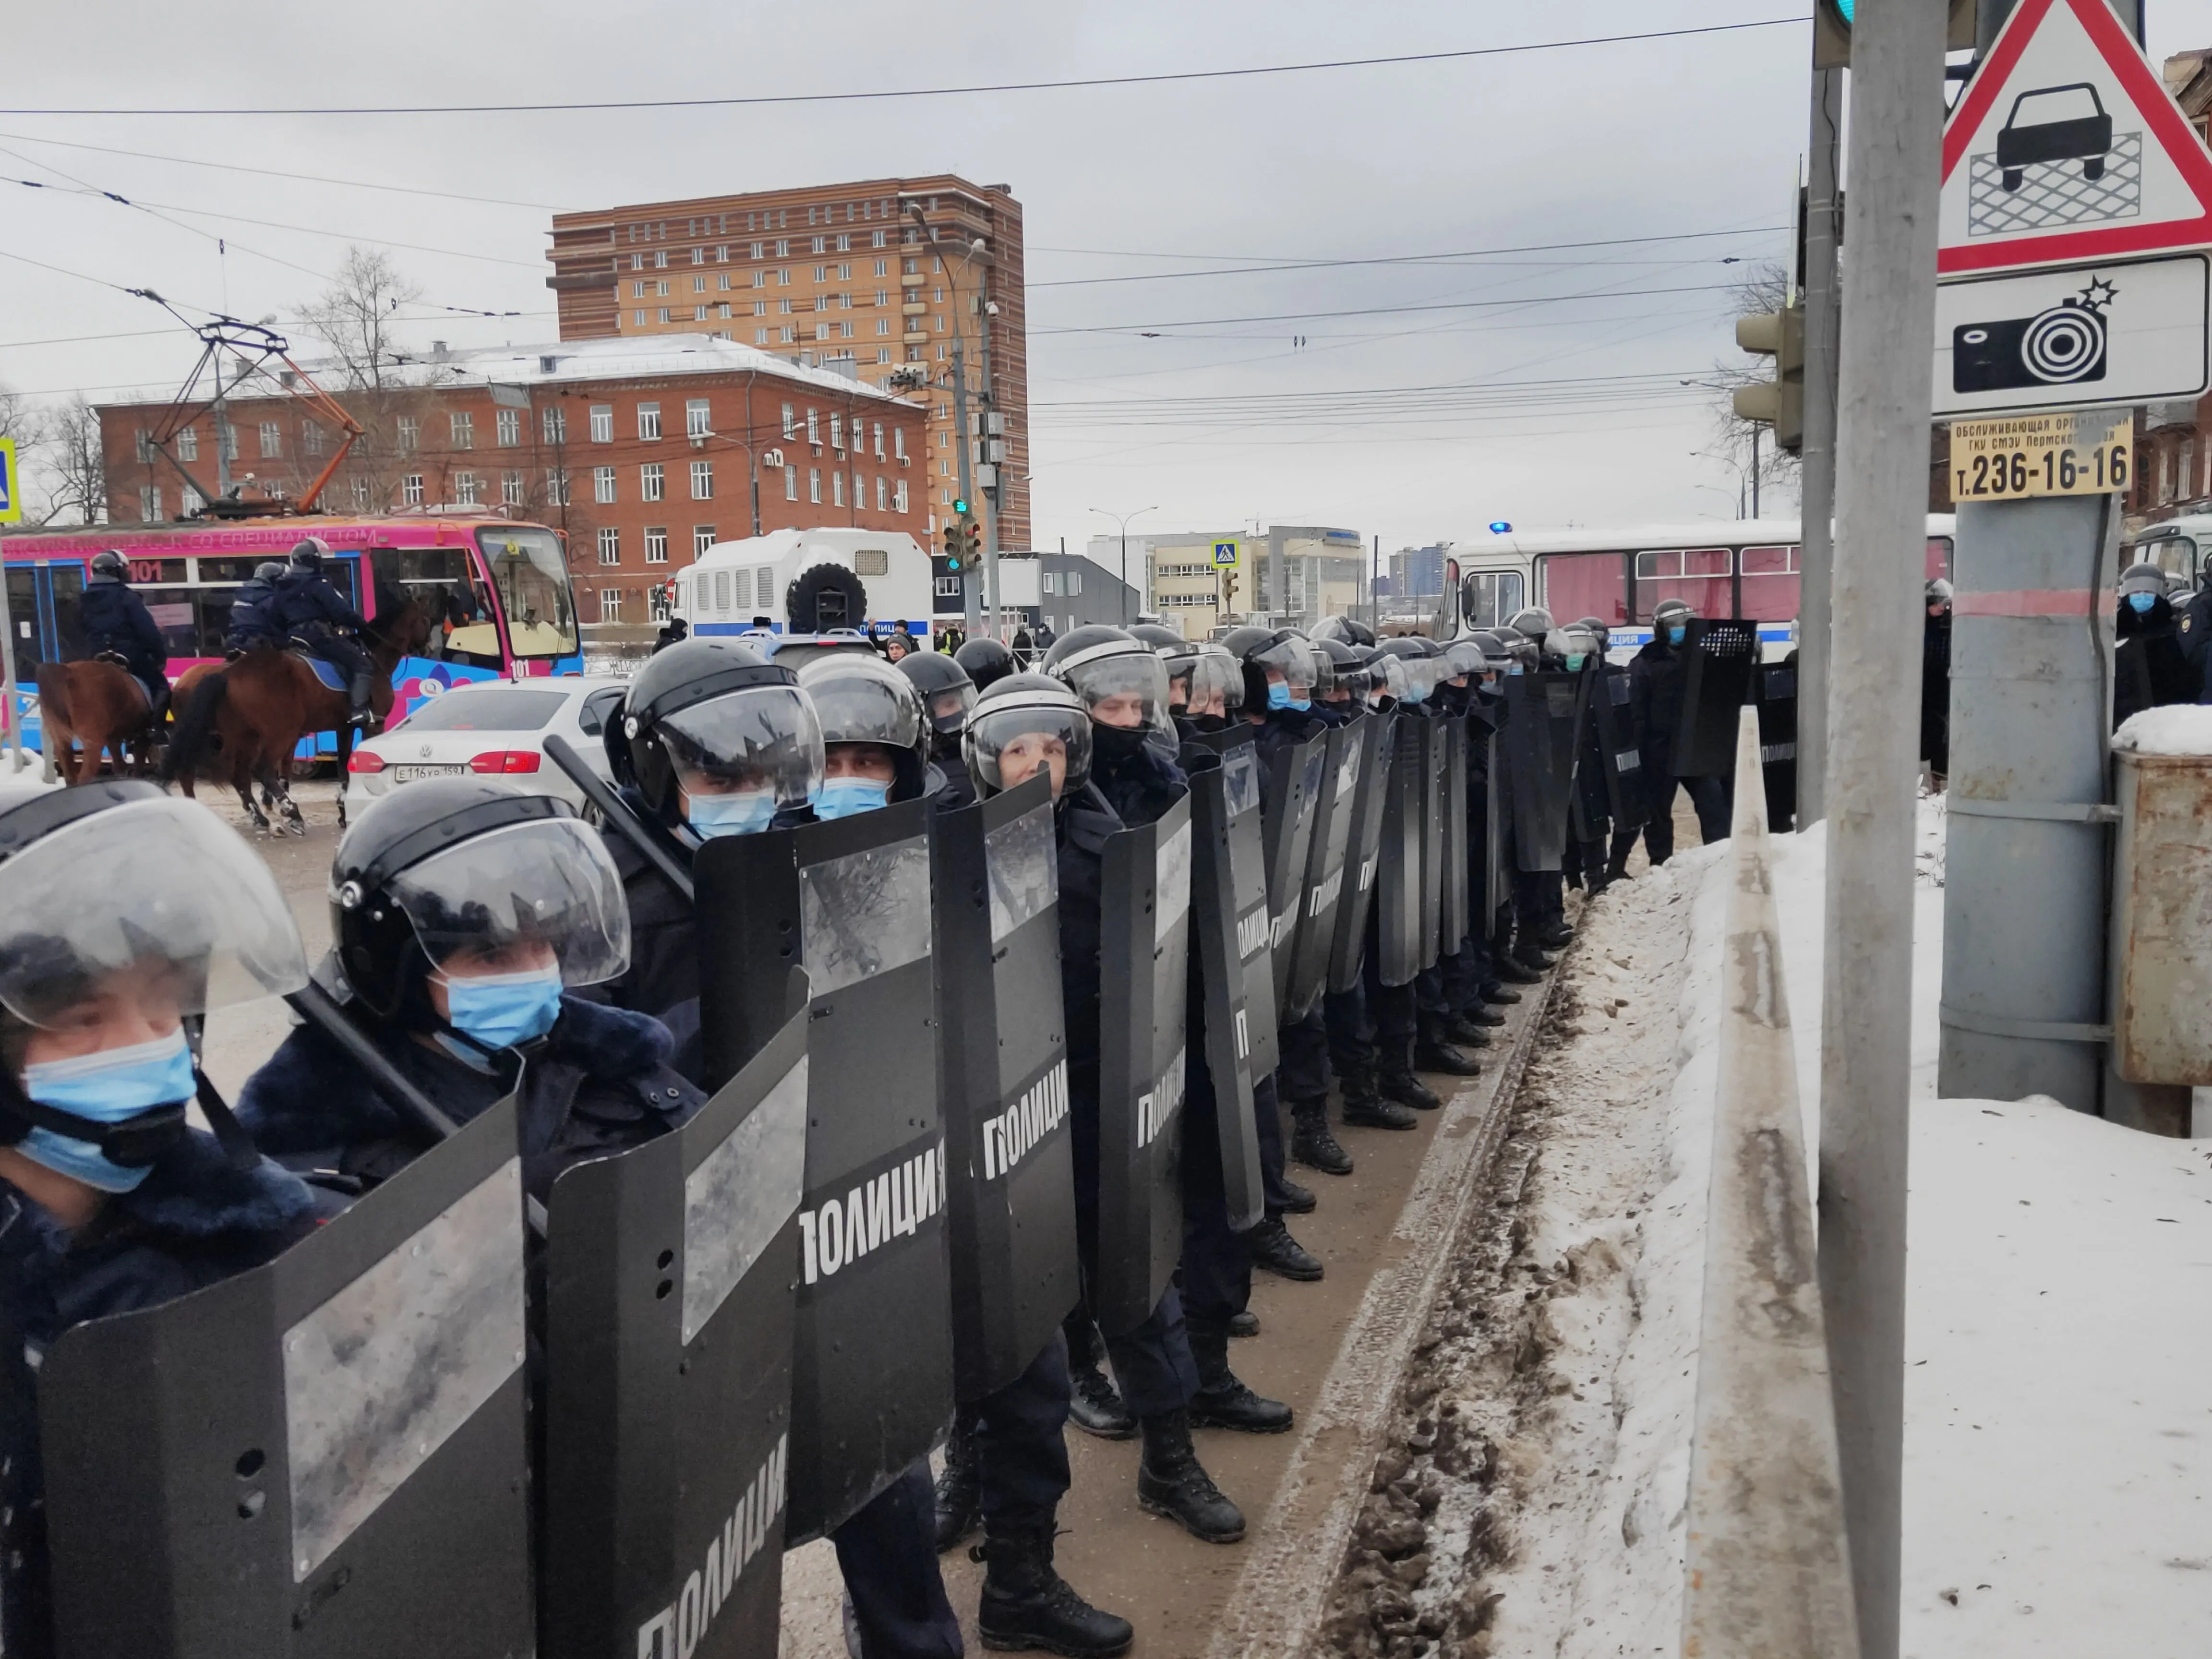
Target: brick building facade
(830,273)
(641,452)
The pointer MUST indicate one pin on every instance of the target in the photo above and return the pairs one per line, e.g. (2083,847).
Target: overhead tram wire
(1170,77)
(1385,310)
(274,173)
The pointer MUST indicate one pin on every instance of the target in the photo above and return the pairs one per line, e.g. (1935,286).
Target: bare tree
(354,317)
(73,463)
(1764,287)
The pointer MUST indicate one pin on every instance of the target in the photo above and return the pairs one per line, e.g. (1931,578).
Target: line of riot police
(905,1049)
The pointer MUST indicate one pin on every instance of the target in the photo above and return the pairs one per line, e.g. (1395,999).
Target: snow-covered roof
(628,358)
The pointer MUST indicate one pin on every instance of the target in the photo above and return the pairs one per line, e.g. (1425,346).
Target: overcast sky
(1549,409)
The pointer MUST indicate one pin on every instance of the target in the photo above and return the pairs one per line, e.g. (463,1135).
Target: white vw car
(494,729)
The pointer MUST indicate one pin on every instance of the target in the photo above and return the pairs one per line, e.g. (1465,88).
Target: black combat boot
(1222,1400)
(1514,971)
(1311,1143)
(1246,1323)
(1554,935)
(1273,1249)
(1026,1605)
(1477,1016)
(959,1489)
(363,716)
(1494,992)
(1290,1198)
(1432,1054)
(1096,1406)
(1398,1083)
(1171,1481)
(1530,960)
(1371,1111)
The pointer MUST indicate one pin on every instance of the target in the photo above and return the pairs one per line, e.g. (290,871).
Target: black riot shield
(1397,867)
(669,1271)
(1334,811)
(1589,804)
(1715,684)
(1241,792)
(1362,841)
(871,1369)
(1144,964)
(1539,750)
(1294,790)
(323,1456)
(1217,961)
(1005,1057)
(1774,685)
(1432,839)
(1615,731)
(1452,905)
(1498,842)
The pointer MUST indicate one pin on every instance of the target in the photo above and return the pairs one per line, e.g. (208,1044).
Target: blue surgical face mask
(1676,635)
(2142,602)
(501,1010)
(1302,703)
(847,798)
(1574,659)
(1514,668)
(747,814)
(1278,695)
(106,1087)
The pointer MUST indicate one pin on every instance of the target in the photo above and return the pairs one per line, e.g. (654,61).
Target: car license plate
(410,773)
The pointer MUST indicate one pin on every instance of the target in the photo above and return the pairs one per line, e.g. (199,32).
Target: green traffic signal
(960,508)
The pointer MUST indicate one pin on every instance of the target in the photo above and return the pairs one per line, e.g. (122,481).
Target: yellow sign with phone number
(2019,456)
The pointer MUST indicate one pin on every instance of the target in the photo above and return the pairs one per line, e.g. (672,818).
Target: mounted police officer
(948,695)
(2149,669)
(252,622)
(309,609)
(116,623)
(122,913)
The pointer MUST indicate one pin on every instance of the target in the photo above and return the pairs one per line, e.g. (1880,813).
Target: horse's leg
(345,754)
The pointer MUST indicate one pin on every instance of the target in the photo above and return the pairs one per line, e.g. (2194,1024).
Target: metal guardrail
(1768,1570)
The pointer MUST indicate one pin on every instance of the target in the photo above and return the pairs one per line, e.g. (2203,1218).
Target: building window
(1074,584)
(882,493)
(410,489)
(791,483)
(638,316)
(836,430)
(703,481)
(723,309)
(553,423)
(272,440)
(836,489)
(1051,580)
(820,272)
(408,437)
(663,314)
(603,423)
(661,262)
(760,337)
(702,540)
(609,545)
(698,313)
(898,441)
(310,438)
(788,333)
(150,502)
(660,292)
(898,496)
(188,444)
(698,284)
(556,486)
(465,428)
(510,488)
(610,605)
(507,428)
(696,423)
(603,485)
(656,545)
(883,326)
(637,289)
(360,494)
(652,483)
(814,429)
(814,485)
(649,420)
(465,489)
(883,353)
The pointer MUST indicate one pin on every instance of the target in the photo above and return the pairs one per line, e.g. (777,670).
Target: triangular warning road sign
(2065,148)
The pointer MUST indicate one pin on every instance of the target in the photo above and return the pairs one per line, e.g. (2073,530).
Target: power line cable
(770,99)
(273,173)
(1385,310)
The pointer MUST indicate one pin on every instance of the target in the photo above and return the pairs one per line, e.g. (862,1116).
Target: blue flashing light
(1499,527)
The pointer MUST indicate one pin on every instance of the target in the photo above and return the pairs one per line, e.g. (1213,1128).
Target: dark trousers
(1538,899)
(1021,1453)
(1709,796)
(1152,1363)
(1351,1035)
(1302,1072)
(335,647)
(1463,973)
(888,1552)
(1391,1015)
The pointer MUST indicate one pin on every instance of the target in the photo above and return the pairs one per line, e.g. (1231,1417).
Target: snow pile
(2176,729)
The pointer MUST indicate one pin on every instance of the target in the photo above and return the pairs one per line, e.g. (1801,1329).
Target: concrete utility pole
(970,589)
(1883,402)
(1815,557)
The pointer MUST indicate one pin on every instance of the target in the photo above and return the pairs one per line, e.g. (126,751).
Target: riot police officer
(1582,651)
(122,913)
(116,623)
(1935,682)
(252,623)
(310,610)
(875,734)
(1658,677)
(948,695)
(2149,669)
(1217,690)
(987,662)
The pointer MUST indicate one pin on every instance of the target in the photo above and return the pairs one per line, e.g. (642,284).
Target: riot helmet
(110,566)
(1598,626)
(986,662)
(1386,676)
(269,570)
(1348,629)
(465,905)
(1671,620)
(1414,654)
(1534,621)
(1280,669)
(875,733)
(1520,649)
(1937,597)
(309,552)
(1024,723)
(1216,687)
(1463,658)
(1348,679)
(714,737)
(123,912)
(947,693)
(1496,658)
(1577,644)
(1122,681)
(1158,636)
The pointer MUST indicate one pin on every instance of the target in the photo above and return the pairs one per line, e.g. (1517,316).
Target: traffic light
(955,546)
(1780,401)
(960,509)
(1832,31)
(974,542)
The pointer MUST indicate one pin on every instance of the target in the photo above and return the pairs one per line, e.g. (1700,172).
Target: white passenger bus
(1747,567)
(2177,546)
(741,584)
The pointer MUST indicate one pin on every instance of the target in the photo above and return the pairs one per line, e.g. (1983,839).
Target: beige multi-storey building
(829,275)
(1293,573)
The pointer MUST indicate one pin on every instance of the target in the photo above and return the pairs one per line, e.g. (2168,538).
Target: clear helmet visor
(162,888)
(860,700)
(1463,657)
(1129,688)
(1216,682)
(1391,680)
(1005,748)
(949,709)
(521,899)
(763,737)
(1292,658)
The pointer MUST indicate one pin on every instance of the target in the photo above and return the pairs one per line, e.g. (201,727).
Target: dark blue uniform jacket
(253,618)
(116,619)
(306,601)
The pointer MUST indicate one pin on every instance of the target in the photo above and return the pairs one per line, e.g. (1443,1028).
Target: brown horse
(97,704)
(258,708)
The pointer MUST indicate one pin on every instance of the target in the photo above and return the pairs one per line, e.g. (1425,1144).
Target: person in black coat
(1658,677)
(2149,668)
(1935,680)
(310,610)
(253,622)
(116,623)
(115,927)
(948,695)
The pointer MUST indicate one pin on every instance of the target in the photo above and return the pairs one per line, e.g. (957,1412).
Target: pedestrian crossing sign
(1224,555)
(11,499)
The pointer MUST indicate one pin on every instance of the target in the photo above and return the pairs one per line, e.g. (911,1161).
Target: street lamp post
(971,610)
(1122,519)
